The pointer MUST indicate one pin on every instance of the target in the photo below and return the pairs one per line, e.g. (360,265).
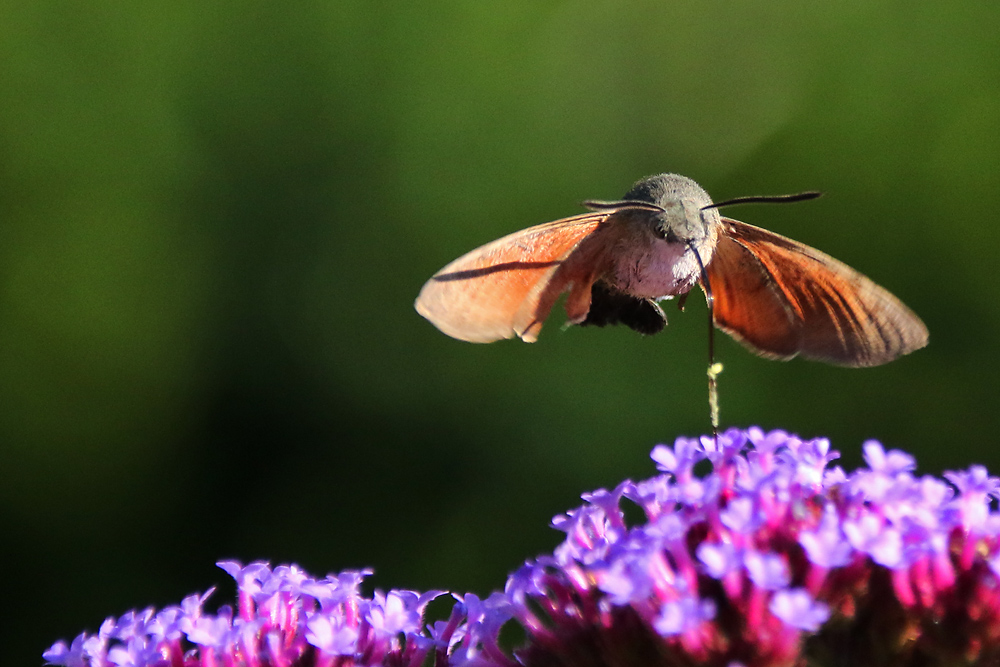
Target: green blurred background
(214,218)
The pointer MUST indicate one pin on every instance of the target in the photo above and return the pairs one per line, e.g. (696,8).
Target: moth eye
(667,234)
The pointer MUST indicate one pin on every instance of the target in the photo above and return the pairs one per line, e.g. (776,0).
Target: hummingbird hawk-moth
(778,297)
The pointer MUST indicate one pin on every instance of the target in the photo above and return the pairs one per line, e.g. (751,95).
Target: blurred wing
(507,288)
(781,298)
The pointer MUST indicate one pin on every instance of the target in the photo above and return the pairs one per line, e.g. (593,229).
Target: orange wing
(780,298)
(507,288)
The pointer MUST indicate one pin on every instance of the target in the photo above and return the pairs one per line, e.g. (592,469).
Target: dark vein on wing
(496,268)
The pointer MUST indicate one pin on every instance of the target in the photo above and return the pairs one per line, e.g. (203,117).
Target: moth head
(685,214)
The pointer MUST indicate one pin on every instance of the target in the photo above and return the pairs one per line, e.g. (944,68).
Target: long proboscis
(713,368)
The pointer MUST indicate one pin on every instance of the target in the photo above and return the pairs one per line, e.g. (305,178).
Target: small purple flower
(826,546)
(332,634)
(889,463)
(768,572)
(797,608)
(719,559)
(681,459)
(870,534)
(740,515)
(209,630)
(680,616)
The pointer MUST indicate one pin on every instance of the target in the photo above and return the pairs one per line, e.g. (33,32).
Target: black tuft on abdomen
(609,306)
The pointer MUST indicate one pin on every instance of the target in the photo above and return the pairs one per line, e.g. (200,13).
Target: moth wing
(781,298)
(508,287)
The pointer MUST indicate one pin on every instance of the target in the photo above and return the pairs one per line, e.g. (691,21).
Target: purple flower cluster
(773,557)
(287,618)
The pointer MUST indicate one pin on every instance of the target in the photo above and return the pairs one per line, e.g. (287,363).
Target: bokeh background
(214,218)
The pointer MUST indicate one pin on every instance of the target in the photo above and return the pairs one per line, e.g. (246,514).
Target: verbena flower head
(286,618)
(774,556)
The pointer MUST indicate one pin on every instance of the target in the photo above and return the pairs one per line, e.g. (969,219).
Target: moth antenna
(713,368)
(598,205)
(767,199)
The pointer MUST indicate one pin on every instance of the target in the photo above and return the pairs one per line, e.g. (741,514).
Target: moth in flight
(778,297)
